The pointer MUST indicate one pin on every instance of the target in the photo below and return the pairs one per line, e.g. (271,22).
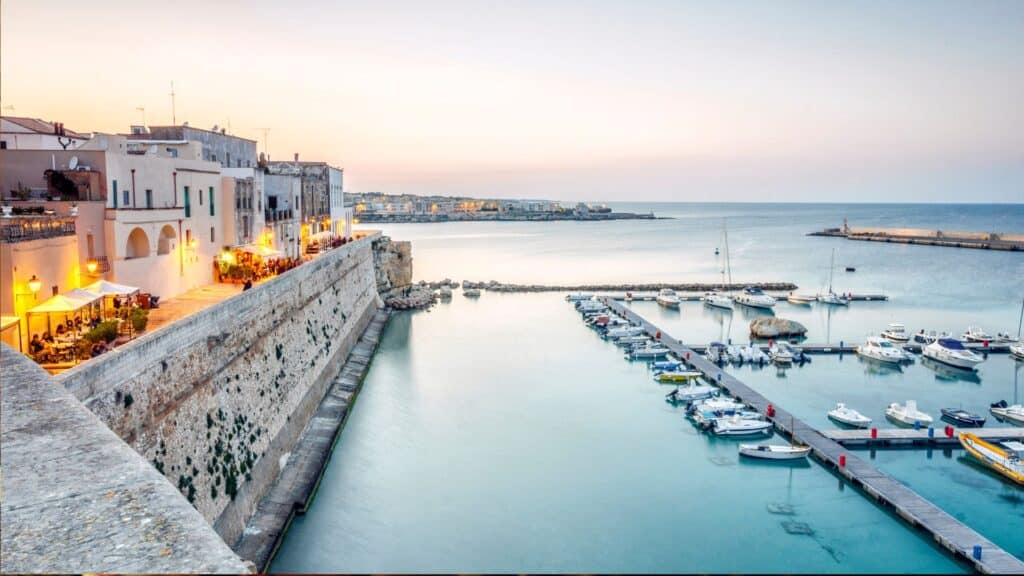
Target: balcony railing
(278,215)
(26,228)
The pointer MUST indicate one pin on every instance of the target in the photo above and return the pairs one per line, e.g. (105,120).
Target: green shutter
(188,205)
(115,193)
(211,200)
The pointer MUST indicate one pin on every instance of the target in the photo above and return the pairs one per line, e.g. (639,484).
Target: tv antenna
(143,110)
(266,132)
(174,115)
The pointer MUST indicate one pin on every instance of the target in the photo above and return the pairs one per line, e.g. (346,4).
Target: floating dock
(949,532)
(951,239)
(777,295)
(911,437)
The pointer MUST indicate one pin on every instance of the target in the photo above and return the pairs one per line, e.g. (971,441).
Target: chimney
(296,156)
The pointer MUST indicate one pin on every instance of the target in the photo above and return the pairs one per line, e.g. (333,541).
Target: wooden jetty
(959,539)
(951,239)
(777,295)
(911,437)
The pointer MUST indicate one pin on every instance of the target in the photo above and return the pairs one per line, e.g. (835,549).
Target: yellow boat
(685,376)
(1008,460)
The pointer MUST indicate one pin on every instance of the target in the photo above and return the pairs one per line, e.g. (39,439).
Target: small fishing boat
(843,414)
(952,352)
(590,306)
(691,393)
(962,418)
(717,300)
(471,293)
(649,351)
(631,341)
(579,297)
(774,451)
(896,333)
(1007,459)
(1017,350)
(624,331)
(801,299)
(785,353)
(673,376)
(667,298)
(755,298)
(976,334)
(717,405)
(734,353)
(907,414)
(833,298)
(1012,413)
(715,352)
(756,355)
(666,365)
(880,349)
(932,336)
(851,269)
(739,426)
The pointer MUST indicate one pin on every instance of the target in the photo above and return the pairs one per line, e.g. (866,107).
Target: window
(115,193)
(125,192)
(228,155)
(149,198)
(188,205)
(188,237)
(3,144)
(211,200)
(212,239)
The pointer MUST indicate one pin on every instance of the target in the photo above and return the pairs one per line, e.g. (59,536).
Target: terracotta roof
(41,126)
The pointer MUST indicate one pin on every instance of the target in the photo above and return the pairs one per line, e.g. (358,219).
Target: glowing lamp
(34,284)
(227,257)
(92,265)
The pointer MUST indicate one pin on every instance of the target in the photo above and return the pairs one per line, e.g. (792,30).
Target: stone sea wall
(217,400)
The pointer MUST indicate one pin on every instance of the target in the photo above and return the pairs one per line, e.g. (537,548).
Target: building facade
(282,212)
(20,133)
(217,145)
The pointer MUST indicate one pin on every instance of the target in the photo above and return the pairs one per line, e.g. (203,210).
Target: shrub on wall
(139,318)
(105,331)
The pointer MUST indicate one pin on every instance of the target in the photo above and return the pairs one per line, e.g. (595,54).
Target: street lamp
(92,265)
(34,284)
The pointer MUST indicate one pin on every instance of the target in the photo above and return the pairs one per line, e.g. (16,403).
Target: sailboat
(715,298)
(1017,350)
(831,297)
(775,451)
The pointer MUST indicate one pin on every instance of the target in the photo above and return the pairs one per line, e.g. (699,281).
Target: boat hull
(867,353)
(774,452)
(1008,416)
(989,455)
(962,363)
(848,422)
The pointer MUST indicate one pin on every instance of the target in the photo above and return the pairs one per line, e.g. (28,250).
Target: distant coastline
(410,208)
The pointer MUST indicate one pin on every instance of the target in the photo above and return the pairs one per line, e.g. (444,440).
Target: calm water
(502,435)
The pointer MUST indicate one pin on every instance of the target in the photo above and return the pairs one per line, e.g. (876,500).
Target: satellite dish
(73,163)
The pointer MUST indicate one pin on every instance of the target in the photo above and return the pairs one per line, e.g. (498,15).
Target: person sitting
(60,330)
(247,285)
(35,346)
(47,337)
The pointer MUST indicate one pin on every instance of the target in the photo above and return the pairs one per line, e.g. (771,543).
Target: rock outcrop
(772,327)
(393,264)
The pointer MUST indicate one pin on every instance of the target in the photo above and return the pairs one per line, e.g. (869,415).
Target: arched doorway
(165,241)
(138,245)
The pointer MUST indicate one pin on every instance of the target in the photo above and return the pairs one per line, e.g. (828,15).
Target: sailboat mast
(832,270)
(1020,322)
(728,266)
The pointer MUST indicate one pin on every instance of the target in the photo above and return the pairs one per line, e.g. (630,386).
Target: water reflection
(877,367)
(946,373)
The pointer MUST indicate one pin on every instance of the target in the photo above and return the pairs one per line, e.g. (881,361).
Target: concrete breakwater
(392,218)
(947,238)
(496,286)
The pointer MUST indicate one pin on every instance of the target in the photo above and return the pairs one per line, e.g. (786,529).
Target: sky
(640,100)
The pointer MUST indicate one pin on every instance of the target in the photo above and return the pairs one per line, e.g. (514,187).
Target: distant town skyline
(569,100)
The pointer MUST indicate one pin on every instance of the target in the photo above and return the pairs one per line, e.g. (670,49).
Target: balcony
(27,228)
(277,215)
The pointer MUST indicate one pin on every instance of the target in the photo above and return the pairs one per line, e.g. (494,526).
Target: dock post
(931,432)
(842,460)
(977,552)
(874,433)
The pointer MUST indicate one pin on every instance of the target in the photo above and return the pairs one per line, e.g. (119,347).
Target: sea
(500,434)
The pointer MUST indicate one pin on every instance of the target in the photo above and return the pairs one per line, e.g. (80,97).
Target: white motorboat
(631,340)
(715,352)
(922,338)
(830,296)
(718,405)
(848,416)
(896,333)
(1017,350)
(590,306)
(616,333)
(471,293)
(952,352)
(717,300)
(880,349)
(579,297)
(976,334)
(691,393)
(667,298)
(1012,413)
(784,353)
(801,299)
(650,351)
(738,426)
(907,414)
(774,451)
(756,355)
(735,353)
(755,298)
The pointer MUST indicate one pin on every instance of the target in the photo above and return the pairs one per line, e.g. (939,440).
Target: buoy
(931,432)
(657,335)
(949,431)
(874,433)
(770,410)
(842,460)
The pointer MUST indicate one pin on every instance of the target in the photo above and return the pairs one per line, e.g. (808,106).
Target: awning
(322,235)
(8,322)
(69,302)
(104,288)
(262,251)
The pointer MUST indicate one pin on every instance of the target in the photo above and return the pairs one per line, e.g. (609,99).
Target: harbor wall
(217,400)
(927,233)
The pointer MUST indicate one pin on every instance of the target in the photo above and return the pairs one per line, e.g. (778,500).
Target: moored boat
(880,349)
(649,351)
(691,393)
(907,414)
(1007,459)
(717,300)
(755,298)
(976,334)
(833,298)
(579,297)
(667,298)
(774,451)
(666,365)
(952,352)
(801,299)
(715,352)
(896,332)
(845,415)
(962,417)
(740,426)
(1017,350)
(1012,413)
(674,376)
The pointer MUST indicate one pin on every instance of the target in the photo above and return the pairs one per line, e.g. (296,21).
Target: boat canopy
(951,343)
(753,290)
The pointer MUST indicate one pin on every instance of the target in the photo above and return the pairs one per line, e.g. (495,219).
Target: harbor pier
(959,539)
(947,238)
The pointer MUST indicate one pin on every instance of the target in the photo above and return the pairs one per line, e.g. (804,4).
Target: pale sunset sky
(562,99)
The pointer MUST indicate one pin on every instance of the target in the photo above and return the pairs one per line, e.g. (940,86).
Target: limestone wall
(214,401)
(393,261)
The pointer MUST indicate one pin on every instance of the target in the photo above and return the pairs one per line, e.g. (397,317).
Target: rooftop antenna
(266,132)
(143,110)
(174,115)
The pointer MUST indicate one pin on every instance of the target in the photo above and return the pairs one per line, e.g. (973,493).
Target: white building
(244,220)
(283,212)
(19,133)
(341,217)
